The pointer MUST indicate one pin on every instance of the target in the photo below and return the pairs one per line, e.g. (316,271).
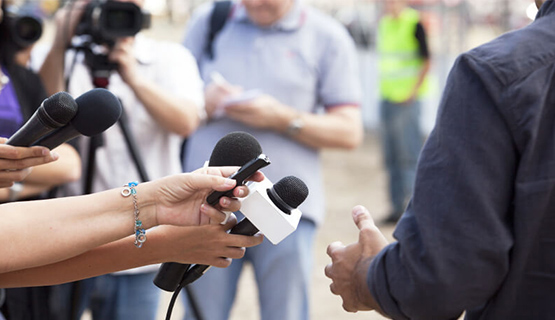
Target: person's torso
(523,79)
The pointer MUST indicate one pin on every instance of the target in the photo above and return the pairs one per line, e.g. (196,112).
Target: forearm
(112,257)
(199,244)
(66,169)
(52,70)
(43,232)
(175,114)
(339,128)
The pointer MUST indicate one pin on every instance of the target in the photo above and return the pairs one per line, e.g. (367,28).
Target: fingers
(10,176)
(333,247)
(207,181)
(19,158)
(362,217)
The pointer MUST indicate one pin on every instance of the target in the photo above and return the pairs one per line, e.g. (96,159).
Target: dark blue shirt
(479,233)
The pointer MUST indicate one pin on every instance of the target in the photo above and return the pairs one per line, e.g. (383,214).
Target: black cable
(172,302)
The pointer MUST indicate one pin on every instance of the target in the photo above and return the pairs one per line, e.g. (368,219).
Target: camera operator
(162,97)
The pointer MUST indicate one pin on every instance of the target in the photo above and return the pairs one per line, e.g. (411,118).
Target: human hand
(349,267)
(216,93)
(66,20)
(262,112)
(180,199)
(207,244)
(123,55)
(16,162)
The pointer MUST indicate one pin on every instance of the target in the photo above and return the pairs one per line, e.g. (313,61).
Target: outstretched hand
(16,162)
(349,267)
(180,199)
(207,244)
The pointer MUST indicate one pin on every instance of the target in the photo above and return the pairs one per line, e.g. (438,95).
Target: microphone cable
(172,302)
(193,304)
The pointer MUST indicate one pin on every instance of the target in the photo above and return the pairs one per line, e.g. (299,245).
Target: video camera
(20,28)
(104,22)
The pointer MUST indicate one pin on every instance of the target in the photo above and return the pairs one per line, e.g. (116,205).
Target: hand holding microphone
(234,149)
(269,208)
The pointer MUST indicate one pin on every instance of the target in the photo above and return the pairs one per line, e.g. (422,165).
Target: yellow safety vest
(399,63)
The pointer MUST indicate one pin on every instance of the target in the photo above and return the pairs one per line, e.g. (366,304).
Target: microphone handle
(58,137)
(168,273)
(245,227)
(30,132)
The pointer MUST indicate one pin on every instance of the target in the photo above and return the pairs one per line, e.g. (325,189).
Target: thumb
(370,237)
(362,218)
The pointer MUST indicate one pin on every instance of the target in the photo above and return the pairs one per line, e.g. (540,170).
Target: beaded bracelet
(140,233)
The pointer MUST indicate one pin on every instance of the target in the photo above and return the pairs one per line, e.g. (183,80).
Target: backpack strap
(217,22)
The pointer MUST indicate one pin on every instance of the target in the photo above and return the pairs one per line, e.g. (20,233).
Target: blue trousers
(401,141)
(121,297)
(282,272)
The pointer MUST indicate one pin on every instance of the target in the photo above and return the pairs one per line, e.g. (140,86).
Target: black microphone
(234,149)
(98,110)
(285,196)
(54,112)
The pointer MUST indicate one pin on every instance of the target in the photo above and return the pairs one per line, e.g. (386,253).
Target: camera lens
(27,30)
(120,20)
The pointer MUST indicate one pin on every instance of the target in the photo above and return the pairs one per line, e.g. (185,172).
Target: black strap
(217,22)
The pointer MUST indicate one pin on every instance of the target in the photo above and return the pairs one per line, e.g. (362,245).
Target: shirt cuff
(378,283)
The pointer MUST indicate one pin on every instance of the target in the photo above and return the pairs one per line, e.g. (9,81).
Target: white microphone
(274,212)
(270,208)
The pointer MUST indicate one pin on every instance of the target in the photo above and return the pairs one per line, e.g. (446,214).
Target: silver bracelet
(140,233)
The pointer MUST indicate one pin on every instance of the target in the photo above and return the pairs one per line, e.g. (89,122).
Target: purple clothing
(11,118)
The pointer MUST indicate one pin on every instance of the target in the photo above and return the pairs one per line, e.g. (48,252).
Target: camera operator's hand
(123,54)
(67,19)
(52,69)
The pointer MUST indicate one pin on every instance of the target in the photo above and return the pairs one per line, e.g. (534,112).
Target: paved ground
(351,178)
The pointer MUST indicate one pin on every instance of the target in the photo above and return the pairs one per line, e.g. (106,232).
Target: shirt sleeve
(339,82)
(196,34)
(454,240)
(420,35)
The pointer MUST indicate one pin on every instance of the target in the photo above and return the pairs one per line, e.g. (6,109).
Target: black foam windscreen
(60,108)
(292,190)
(98,110)
(235,149)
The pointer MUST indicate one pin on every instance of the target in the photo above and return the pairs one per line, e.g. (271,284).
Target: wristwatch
(14,191)
(295,126)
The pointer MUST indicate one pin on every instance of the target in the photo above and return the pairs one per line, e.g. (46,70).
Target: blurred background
(453,26)
(356,177)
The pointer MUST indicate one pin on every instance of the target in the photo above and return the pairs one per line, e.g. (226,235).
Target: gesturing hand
(349,266)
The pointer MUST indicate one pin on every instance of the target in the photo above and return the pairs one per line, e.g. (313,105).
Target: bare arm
(53,67)
(174,113)
(44,232)
(206,244)
(339,127)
